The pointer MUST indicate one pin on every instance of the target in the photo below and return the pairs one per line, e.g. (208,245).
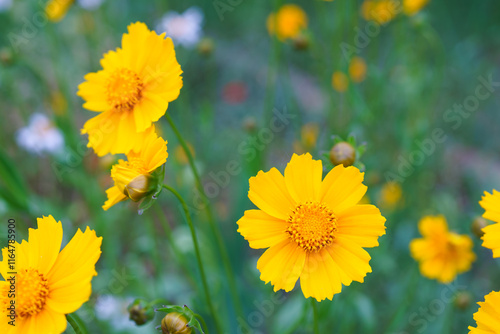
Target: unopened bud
(301,42)
(175,323)
(206,46)
(138,188)
(343,153)
(477,226)
(249,124)
(462,300)
(140,312)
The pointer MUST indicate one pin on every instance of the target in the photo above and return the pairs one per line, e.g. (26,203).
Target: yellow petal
(282,265)
(362,224)
(432,225)
(44,244)
(350,258)
(262,230)
(491,203)
(342,188)
(269,193)
(320,277)
(114,196)
(303,178)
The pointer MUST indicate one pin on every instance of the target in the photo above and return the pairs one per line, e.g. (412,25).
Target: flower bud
(206,46)
(138,188)
(301,42)
(175,323)
(477,226)
(343,153)
(462,300)
(140,312)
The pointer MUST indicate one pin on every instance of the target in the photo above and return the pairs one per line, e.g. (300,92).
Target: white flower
(183,28)
(89,4)
(40,135)
(5,5)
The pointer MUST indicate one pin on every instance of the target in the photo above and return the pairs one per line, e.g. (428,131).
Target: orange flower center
(312,226)
(124,89)
(30,293)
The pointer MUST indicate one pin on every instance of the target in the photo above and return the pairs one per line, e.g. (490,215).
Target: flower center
(31,291)
(124,89)
(312,226)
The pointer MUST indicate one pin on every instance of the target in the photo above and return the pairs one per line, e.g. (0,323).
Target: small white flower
(90,4)
(40,135)
(183,28)
(5,5)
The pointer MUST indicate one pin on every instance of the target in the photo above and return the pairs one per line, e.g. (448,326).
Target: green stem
(208,209)
(315,316)
(198,256)
(76,323)
(202,322)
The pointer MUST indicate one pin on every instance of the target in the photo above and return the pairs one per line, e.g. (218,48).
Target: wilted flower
(185,28)
(40,136)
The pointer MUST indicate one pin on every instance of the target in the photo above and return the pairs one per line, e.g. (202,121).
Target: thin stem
(213,226)
(202,322)
(198,256)
(315,316)
(76,323)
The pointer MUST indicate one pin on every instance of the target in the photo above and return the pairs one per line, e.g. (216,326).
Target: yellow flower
(442,255)
(357,69)
(56,9)
(131,91)
(390,195)
(340,81)
(412,7)
(133,178)
(488,316)
(48,283)
(491,237)
(313,228)
(381,11)
(288,22)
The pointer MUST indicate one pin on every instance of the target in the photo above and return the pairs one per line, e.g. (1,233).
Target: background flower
(40,135)
(184,29)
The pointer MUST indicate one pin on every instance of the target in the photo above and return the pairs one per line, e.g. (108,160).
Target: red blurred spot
(235,92)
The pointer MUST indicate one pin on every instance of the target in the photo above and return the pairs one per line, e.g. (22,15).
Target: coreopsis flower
(357,69)
(56,9)
(288,22)
(49,283)
(135,178)
(184,28)
(314,229)
(132,90)
(40,135)
(488,316)
(412,7)
(491,237)
(441,254)
(340,81)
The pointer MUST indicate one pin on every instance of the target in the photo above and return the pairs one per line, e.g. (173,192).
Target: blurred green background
(418,68)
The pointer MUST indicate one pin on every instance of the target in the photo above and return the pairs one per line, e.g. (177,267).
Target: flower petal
(342,188)
(262,230)
(282,265)
(44,244)
(491,204)
(362,224)
(303,178)
(269,193)
(114,196)
(320,277)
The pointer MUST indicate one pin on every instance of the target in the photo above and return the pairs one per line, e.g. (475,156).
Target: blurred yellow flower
(340,81)
(412,7)
(357,69)
(48,283)
(180,154)
(390,195)
(488,316)
(288,22)
(382,11)
(491,237)
(133,178)
(57,9)
(441,254)
(132,91)
(314,229)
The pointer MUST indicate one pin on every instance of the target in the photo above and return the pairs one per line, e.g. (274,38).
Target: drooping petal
(342,188)
(269,193)
(262,230)
(303,178)
(282,265)
(114,196)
